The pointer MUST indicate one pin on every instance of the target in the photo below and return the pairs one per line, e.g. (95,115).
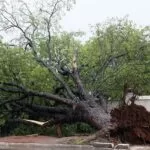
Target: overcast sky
(90,12)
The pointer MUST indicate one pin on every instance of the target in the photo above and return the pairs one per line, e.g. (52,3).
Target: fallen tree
(68,111)
(69,101)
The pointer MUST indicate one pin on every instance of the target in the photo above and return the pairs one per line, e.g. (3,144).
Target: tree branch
(14,100)
(107,63)
(58,77)
(29,122)
(48,22)
(21,89)
(77,79)
(45,109)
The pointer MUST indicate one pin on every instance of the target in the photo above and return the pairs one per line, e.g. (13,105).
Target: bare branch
(28,122)
(13,100)
(77,79)
(46,109)
(20,89)
(48,24)
(51,97)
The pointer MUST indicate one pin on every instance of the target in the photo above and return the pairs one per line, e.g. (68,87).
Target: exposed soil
(43,139)
(132,124)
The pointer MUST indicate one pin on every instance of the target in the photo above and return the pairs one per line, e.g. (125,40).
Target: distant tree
(118,53)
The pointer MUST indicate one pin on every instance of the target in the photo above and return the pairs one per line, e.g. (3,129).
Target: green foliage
(118,53)
(81,128)
(67,130)
(2,120)
(32,129)
(19,66)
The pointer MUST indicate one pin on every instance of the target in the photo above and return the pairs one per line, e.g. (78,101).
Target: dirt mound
(132,124)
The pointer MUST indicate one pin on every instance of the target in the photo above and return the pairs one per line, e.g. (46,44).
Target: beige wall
(141,100)
(145,103)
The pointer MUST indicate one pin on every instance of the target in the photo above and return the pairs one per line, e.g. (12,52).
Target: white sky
(90,12)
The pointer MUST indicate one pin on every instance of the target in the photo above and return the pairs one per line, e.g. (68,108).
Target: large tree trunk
(95,115)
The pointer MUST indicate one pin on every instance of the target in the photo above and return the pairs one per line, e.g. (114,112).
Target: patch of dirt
(43,139)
